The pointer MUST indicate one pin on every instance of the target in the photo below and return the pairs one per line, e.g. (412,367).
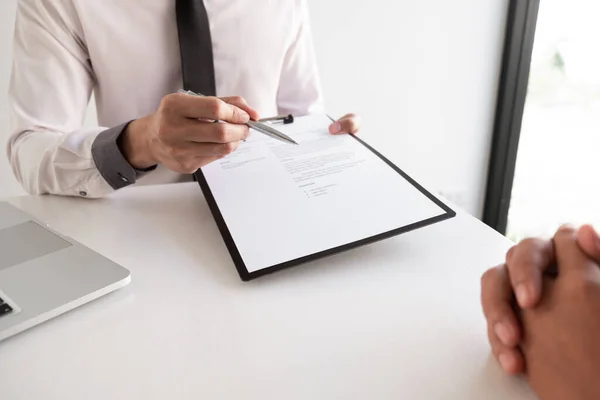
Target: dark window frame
(512,92)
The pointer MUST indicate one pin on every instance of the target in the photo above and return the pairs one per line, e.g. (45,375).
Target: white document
(282,202)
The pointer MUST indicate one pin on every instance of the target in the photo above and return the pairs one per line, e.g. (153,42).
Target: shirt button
(123,178)
(82,193)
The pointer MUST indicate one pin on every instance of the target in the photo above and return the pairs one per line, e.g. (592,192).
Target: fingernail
(505,362)
(503,333)
(567,228)
(522,294)
(335,128)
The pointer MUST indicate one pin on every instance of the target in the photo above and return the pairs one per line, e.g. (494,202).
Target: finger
(589,241)
(208,132)
(242,104)
(510,358)
(510,253)
(570,257)
(222,149)
(202,161)
(192,165)
(211,108)
(349,123)
(193,150)
(192,156)
(526,264)
(496,301)
(217,153)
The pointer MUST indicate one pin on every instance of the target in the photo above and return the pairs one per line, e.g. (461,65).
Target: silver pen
(262,128)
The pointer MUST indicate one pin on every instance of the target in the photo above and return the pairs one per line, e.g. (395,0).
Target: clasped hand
(546,326)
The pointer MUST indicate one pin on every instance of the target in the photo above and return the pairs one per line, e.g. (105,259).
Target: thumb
(571,259)
(589,241)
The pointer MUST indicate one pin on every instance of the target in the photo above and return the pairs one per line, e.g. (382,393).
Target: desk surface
(399,319)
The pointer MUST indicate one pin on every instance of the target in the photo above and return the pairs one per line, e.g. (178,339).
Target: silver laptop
(44,274)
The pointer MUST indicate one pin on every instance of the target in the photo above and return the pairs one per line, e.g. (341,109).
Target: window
(545,159)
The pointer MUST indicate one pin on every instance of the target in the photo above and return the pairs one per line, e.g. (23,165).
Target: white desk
(396,320)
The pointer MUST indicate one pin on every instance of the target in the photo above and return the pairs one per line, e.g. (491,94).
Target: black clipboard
(238,261)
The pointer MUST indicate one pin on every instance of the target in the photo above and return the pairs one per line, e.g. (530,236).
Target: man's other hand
(349,123)
(182,135)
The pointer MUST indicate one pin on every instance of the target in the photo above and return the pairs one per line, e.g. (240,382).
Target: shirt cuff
(112,165)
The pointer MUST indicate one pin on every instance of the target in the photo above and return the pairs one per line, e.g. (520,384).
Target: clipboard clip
(285,119)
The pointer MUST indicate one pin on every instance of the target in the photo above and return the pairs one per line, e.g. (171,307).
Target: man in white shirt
(134,56)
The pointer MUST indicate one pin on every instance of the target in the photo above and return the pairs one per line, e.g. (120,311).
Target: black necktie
(195,45)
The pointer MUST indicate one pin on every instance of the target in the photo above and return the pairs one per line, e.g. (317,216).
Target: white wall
(422,74)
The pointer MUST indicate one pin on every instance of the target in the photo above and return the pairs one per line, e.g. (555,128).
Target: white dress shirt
(127,53)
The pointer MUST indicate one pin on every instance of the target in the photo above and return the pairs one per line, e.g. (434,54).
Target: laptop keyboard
(4,308)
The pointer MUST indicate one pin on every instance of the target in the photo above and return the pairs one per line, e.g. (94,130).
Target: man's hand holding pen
(181,134)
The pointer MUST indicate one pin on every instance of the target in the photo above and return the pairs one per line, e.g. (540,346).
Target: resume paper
(281,202)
